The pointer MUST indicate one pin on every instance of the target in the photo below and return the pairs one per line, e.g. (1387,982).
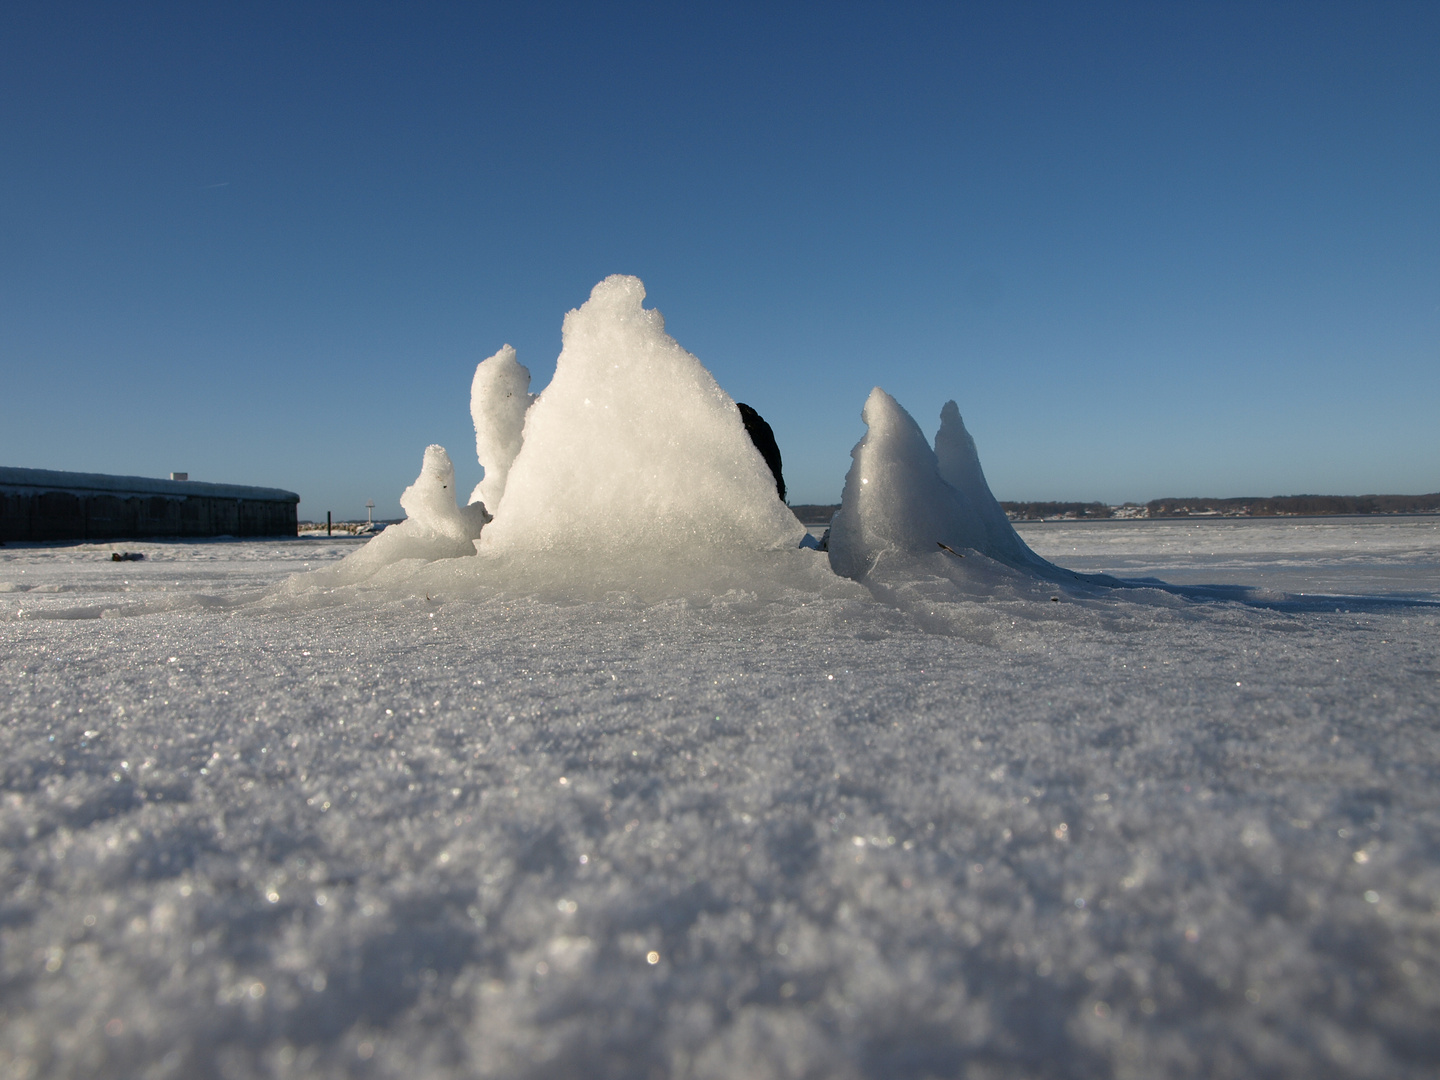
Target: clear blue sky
(1151,249)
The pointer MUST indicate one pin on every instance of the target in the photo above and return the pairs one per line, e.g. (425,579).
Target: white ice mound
(634,453)
(959,463)
(499,399)
(903,499)
(434,526)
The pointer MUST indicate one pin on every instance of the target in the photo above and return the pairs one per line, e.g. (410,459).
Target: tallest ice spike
(634,450)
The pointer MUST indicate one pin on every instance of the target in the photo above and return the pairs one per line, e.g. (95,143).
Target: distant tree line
(1040,511)
(1275,506)
(814,513)
(1296,505)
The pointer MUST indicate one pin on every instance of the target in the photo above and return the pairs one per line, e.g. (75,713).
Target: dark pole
(327,522)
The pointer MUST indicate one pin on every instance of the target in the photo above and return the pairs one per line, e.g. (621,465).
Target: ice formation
(499,399)
(634,453)
(903,500)
(635,466)
(959,464)
(434,526)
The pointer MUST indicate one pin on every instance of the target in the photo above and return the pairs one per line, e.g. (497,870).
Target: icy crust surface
(633,452)
(761,836)
(1397,555)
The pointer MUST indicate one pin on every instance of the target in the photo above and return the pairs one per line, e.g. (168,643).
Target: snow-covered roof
(13,480)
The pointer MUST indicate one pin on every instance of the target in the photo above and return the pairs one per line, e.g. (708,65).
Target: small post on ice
(327,522)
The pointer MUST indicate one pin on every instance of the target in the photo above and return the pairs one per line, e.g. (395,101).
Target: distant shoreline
(1195,508)
(1216,519)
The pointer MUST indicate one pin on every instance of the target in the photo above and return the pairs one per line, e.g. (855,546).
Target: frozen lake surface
(1387,556)
(429,832)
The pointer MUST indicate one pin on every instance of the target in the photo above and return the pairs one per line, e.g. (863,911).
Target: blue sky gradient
(1151,249)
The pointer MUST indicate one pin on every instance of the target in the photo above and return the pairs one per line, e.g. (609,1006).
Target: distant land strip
(1274,506)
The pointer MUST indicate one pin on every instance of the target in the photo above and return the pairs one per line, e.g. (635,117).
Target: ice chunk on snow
(959,464)
(902,499)
(499,399)
(895,501)
(434,527)
(429,503)
(634,450)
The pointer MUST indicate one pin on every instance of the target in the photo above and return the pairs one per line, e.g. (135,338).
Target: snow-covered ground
(259,831)
(1394,556)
